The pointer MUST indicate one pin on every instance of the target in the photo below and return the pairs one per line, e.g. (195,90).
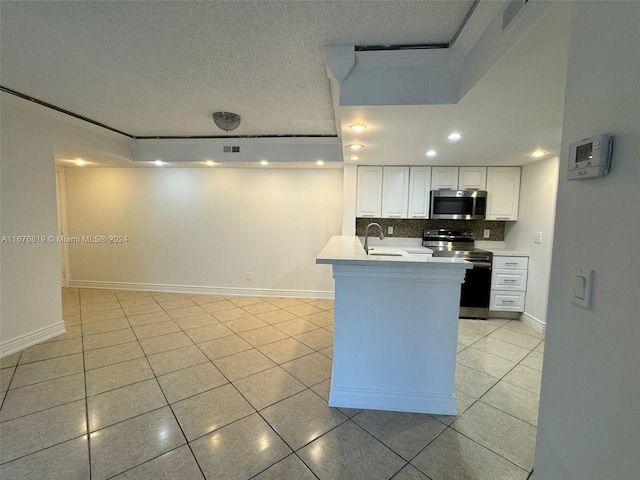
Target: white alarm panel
(590,157)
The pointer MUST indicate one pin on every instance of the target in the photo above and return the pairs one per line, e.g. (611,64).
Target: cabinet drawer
(510,263)
(509,279)
(506,301)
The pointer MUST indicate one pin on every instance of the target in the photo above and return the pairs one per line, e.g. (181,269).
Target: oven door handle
(481,264)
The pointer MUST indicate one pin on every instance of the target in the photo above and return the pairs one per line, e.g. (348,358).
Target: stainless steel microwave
(458,204)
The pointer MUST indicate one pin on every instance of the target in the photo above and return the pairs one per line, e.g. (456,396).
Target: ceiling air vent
(231,149)
(510,12)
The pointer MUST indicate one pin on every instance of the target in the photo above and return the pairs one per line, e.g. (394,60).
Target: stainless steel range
(474,298)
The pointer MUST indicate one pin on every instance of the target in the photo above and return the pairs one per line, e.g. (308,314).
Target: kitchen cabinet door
(369,192)
(472,178)
(503,193)
(444,178)
(419,192)
(395,192)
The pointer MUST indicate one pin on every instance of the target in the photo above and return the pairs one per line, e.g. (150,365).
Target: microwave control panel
(590,157)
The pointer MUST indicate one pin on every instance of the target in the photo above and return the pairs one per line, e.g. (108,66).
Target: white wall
(538,186)
(589,423)
(205,228)
(31,304)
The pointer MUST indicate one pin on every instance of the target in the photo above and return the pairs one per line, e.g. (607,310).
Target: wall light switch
(390,231)
(582,286)
(487,233)
(537,237)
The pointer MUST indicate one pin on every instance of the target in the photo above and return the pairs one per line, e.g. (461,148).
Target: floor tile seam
(519,386)
(518,331)
(47,448)
(490,449)
(295,334)
(485,373)
(108,346)
(47,379)
(97,430)
(390,447)
(499,356)
(289,396)
(505,412)
(49,358)
(494,355)
(154,458)
(183,368)
(110,331)
(13,374)
(54,340)
(103,310)
(540,340)
(118,388)
(281,460)
(199,437)
(350,420)
(67,402)
(86,407)
(283,439)
(446,427)
(294,359)
(84,323)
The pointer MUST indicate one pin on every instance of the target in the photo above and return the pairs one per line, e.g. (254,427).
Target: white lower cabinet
(508,283)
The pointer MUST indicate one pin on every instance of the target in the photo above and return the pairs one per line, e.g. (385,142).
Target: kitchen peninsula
(396,325)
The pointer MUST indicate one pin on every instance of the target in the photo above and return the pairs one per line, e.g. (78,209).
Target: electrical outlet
(537,237)
(487,233)
(249,275)
(390,231)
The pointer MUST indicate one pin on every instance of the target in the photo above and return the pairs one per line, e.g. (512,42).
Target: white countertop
(347,250)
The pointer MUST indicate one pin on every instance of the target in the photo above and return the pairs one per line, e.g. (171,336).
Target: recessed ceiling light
(431,153)
(264,163)
(210,163)
(158,162)
(80,162)
(538,153)
(354,157)
(358,127)
(320,163)
(454,137)
(355,146)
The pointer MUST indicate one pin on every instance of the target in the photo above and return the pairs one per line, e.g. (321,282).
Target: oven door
(475,294)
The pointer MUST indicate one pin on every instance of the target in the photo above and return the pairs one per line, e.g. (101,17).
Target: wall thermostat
(590,157)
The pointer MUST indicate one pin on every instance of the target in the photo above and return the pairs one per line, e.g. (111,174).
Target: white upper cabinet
(472,178)
(369,192)
(395,192)
(419,192)
(444,178)
(503,193)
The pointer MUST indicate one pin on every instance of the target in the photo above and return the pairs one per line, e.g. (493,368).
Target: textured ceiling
(160,68)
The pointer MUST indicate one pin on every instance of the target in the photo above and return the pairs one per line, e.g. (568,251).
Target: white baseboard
(231,291)
(379,399)
(535,323)
(32,338)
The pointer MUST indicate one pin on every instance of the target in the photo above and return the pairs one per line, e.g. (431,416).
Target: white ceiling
(161,68)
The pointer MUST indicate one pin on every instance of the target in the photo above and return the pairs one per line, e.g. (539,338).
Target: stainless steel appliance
(458,204)
(474,298)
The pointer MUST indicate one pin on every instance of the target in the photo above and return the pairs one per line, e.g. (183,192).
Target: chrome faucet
(366,235)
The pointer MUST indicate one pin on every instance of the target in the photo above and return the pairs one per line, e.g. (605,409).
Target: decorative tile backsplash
(413,228)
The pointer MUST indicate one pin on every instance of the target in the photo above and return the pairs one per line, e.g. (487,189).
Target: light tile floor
(165,385)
